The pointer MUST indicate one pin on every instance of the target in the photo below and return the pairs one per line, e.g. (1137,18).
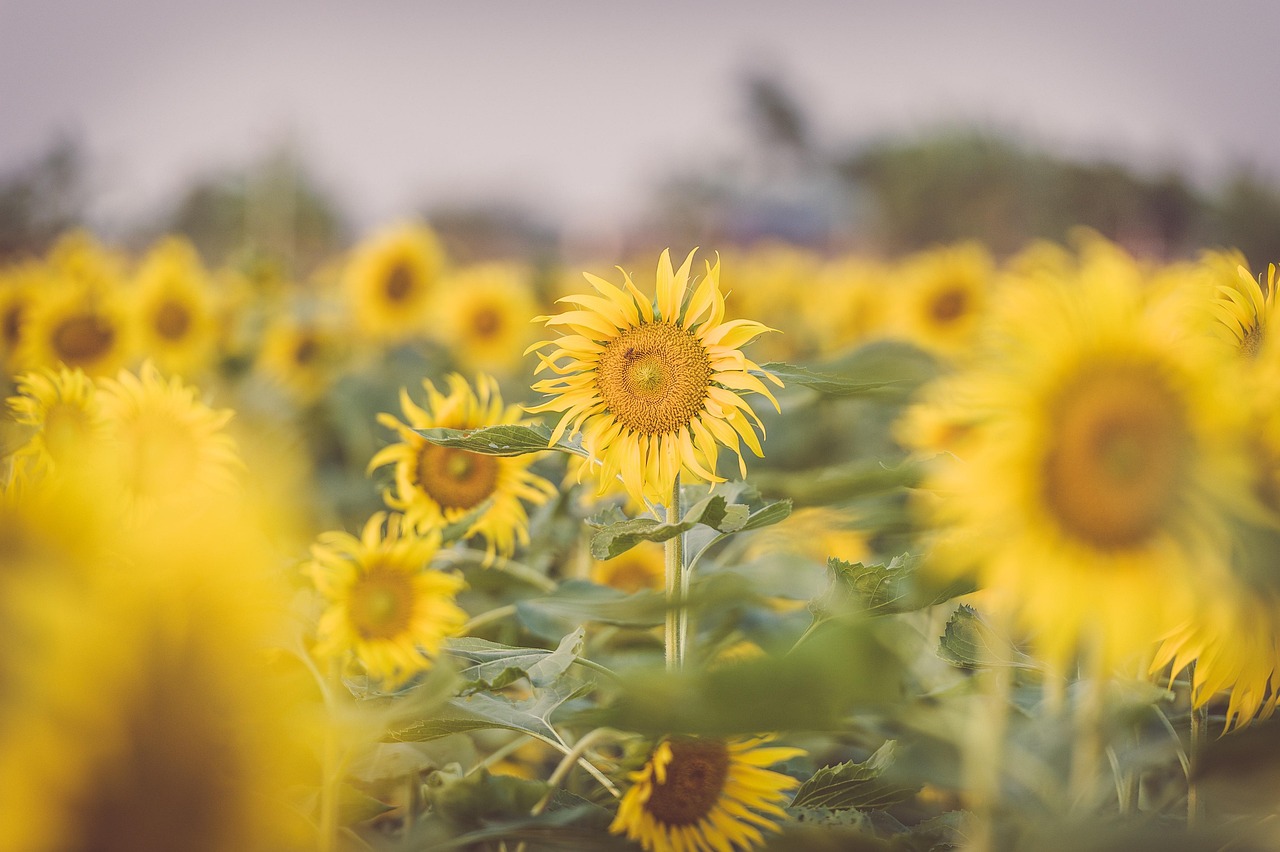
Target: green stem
(1089,744)
(489,617)
(331,767)
(1199,734)
(510,567)
(676,586)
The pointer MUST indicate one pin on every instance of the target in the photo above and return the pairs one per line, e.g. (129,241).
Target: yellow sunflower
(847,304)
(944,295)
(1102,465)
(484,316)
(173,304)
(303,356)
(386,606)
(79,324)
(654,389)
(642,567)
(19,286)
(391,279)
(1243,307)
(162,447)
(772,280)
(705,795)
(436,486)
(62,406)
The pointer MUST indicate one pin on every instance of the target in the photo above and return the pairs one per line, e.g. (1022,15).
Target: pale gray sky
(576,105)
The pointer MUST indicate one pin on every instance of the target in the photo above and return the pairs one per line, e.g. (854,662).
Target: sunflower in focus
(945,297)
(1243,307)
(436,486)
(642,567)
(173,303)
(385,605)
(1105,463)
(391,280)
(705,795)
(62,407)
(654,389)
(484,316)
(162,447)
(82,325)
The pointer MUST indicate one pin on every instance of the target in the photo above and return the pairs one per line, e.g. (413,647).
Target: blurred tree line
(889,196)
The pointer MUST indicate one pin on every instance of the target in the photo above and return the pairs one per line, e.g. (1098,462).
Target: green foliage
(854,785)
(496,666)
(505,440)
(970,642)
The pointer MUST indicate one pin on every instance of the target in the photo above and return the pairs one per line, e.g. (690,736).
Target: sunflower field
(761,548)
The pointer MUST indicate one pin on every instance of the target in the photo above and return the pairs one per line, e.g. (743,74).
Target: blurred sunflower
(705,795)
(847,304)
(944,297)
(385,605)
(162,447)
(391,279)
(80,325)
(302,355)
(776,280)
(80,257)
(62,406)
(654,390)
(436,486)
(1243,307)
(173,303)
(642,567)
(484,313)
(1104,466)
(19,286)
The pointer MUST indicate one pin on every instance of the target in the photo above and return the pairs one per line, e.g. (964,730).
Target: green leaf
(480,796)
(617,538)
(355,806)
(879,589)
(830,384)
(504,440)
(484,711)
(854,785)
(768,515)
(583,826)
(970,642)
(497,665)
(836,483)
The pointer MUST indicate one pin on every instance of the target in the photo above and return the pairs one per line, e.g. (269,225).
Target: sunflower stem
(1086,758)
(1199,734)
(330,768)
(985,753)
(676,583)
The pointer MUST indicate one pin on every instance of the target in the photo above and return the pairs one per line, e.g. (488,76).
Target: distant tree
(42,199)
(1247,216)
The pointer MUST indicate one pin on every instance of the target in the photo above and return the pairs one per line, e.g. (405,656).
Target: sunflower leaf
(830,384)
(768,515)
(483,711)
(969,642)
(617,538)
(879,589)
(495,665)
(503,440)
(854,785)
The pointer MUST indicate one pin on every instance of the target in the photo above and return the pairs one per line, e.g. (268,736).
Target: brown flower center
(949,305)
(381,603)
(654,377)
(305,351)
(399,283)
(172,320)
(486,322)
(1252,341)
(11,323)
(1117,459)
(82,339)
(695,781)
(455,479)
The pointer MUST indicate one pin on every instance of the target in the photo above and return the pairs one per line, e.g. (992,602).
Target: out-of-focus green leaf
(854,785)
(582,826)
(811,688)
(617,538)
(970,642)
(482,711)
(836,483)
(879,589)
(496,665)
(504,440)
(478,797)
(830,384)
(355,806)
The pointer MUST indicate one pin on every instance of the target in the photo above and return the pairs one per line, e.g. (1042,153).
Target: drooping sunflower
(705,795)
(62,407)
(173,304)
(391,279)
(654,388)
(162,447)
(436,486)
(484,313)
(79,324)
(386,606)
(1103,463)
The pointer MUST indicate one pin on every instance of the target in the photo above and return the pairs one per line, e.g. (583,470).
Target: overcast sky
(576,105)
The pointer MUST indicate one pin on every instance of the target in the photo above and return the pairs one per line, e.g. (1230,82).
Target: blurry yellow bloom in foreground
(62,407)
(436,486)
(484,316)
(1095,488)
(655,390)
(173,304)
(391,279)
(705,795)
(385,605)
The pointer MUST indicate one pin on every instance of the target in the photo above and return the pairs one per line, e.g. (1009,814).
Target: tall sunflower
(1103,463)
(484,312)
(63,408)
(173,305)
(654,388)
(391,279)
(436,486)
(386,606)
(705,795)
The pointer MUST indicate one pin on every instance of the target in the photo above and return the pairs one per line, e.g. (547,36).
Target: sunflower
(847,305)
(484,313)
(62,406)
(705,795)
(302,355)
(162,447)
(642,567)
(385,605)
(772,280)
(654,390)
(390,281)
(1104,460)
(173,304)
(79,323)
(1243,306)
(945,294)
(19,286)
(436,486)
